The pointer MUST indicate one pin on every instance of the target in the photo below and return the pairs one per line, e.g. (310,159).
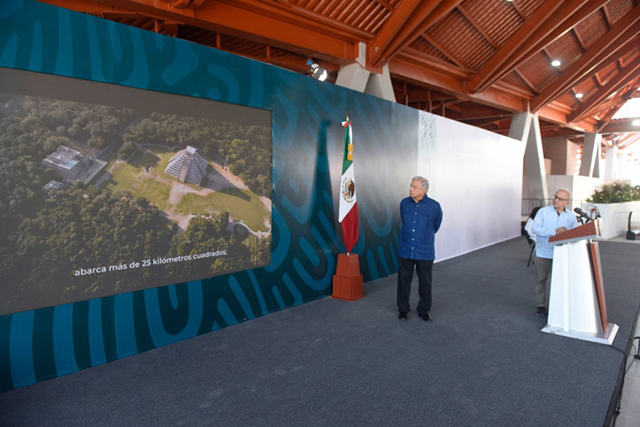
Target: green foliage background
(615,193)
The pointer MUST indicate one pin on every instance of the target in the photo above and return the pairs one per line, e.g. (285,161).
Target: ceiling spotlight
(636,122)
(556,63)
(579,95)
(316,71)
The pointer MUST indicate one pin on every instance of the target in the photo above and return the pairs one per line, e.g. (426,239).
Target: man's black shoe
(541,311)
(426,317)
(403,315)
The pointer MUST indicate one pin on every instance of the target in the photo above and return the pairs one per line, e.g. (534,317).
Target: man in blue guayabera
(421,219)
(549,221)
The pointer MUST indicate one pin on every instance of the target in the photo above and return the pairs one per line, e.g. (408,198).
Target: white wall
(476,175)
(628,170)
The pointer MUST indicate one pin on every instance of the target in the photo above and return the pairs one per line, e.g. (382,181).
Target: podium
(347,282)
(577,306)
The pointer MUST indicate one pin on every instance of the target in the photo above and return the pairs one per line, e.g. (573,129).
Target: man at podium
(549,221)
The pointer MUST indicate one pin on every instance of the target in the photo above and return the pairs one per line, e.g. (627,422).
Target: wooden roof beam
(526,81)
(89,7)
(624,30)
(484,112)
(427,75)
(607,58)
(474,23)
(385,4)
(483,122)
(531,48)
(614,106)
(425,72)
(619,127)
(609,103)
(541,24)
(444,51)
(299,16)
(627,139)
(426,15)
(415,94)
(407,17)
(553,114)
(191,4)
(248,19)
(614,85)
(399,18)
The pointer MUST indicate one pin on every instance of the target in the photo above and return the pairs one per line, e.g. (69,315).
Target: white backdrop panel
(476,175)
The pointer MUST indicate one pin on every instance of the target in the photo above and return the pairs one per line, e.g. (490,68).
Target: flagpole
(347,282)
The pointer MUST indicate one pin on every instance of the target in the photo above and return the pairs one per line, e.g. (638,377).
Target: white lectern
(577,307)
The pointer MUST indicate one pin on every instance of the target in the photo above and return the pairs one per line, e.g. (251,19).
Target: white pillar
(591,155)
(526,127)
(380,85)
(611,162)
(355,76)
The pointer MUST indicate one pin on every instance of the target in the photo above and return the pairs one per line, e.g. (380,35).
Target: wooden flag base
(347,282)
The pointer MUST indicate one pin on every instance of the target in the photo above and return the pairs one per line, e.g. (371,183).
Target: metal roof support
(526,127)
(590,165)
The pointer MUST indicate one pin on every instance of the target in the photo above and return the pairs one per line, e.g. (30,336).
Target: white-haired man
(549,221)
(421,219)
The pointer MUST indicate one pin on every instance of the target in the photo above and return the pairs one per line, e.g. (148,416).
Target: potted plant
(613,201)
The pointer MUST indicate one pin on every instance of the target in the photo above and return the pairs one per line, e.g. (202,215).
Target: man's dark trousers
(405,275)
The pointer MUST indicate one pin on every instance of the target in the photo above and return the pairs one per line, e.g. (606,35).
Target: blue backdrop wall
(307,151)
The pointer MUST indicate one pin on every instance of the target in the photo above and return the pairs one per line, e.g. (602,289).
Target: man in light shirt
(549,221)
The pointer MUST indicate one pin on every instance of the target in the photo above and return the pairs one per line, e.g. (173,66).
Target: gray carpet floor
(482,362)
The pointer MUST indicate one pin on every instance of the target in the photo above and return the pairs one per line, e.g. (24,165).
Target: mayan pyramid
(188,166)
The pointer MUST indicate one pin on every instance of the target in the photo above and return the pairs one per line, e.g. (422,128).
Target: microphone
(582,214)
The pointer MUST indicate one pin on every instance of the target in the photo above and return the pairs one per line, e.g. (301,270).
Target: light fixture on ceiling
(556,63)
(316,71)
(579,95)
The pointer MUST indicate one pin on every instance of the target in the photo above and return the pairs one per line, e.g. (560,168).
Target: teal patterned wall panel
(307,142)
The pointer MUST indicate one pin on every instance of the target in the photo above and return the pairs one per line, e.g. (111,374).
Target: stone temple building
(188,166)
(70,165)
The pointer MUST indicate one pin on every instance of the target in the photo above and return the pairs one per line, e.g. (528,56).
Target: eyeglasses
(559,198)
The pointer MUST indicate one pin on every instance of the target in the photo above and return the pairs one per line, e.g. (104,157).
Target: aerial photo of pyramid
(188,166)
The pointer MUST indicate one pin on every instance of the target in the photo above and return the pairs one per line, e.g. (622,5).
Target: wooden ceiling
(475,61)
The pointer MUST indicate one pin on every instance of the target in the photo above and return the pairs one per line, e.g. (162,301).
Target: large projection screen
(109,189)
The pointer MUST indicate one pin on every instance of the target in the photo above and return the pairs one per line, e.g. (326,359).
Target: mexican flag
(348,212)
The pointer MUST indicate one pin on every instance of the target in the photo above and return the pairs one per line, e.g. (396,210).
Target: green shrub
(615,193)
